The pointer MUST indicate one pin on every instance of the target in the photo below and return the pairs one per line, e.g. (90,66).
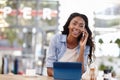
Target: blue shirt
(57,48)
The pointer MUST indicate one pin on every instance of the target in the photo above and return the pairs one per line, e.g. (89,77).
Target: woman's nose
(77,27)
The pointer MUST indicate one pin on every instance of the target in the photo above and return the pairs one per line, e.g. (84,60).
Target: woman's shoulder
(59,36)
(56,35)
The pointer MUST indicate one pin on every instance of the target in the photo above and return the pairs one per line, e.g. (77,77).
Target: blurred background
(26,27)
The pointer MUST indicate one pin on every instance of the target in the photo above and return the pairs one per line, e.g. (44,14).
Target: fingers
(85,33)
(84,39)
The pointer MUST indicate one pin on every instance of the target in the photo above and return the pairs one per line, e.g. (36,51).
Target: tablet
(67,70)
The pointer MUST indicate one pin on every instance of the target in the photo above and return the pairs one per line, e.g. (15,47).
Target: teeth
(76,31)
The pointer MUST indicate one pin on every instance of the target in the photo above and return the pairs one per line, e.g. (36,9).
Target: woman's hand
(50,71)
(84,38)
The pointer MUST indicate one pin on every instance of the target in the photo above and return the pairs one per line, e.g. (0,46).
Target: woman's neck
(71,42)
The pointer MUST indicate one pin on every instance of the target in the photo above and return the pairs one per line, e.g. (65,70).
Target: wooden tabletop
(20,77)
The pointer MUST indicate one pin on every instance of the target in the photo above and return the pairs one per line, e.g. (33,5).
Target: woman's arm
(51,55)
(81,58)
(82,44)
(50,71)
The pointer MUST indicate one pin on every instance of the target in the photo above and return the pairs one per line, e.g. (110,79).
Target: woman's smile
(75,32)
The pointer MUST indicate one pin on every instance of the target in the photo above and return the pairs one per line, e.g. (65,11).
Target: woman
(74,44)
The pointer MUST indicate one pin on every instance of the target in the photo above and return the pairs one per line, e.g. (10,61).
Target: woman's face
(76,26)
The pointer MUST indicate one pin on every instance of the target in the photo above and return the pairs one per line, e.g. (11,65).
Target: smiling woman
(70,45)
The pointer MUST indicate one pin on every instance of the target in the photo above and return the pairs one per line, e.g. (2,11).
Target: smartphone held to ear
(83,35)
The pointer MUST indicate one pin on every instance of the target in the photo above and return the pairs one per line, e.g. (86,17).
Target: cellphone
(83,35)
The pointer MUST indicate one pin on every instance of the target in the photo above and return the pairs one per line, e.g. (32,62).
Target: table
(21,77)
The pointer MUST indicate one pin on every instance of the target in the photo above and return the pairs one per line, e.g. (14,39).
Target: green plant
(111,41)
(117,41)
(104,67)
(100,41)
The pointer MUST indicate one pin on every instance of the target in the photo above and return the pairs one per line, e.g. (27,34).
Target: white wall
(69,6)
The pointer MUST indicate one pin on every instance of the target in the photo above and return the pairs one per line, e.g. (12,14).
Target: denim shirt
(57,48)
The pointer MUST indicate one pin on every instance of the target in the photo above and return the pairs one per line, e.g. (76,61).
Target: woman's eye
(81,26)
(74,23)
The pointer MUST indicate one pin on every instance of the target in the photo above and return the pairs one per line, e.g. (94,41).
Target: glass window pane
(26,16)
(47,14)
(9,12)
(108,17)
